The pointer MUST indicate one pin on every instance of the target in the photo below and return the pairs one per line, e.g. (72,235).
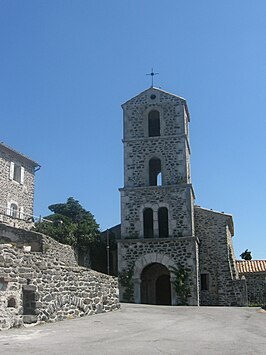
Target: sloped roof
(213,211)
(116,230)
(248,266)
(228,216)
(152,88)
(18,154)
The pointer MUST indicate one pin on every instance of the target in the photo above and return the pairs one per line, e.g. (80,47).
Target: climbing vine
(181,283)
(125,280)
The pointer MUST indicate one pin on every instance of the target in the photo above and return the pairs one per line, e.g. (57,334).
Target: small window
(154,123)
(21,212)
(3,282)
(11,302)
(17,172)
(204,280)
(14,210)
(155,173)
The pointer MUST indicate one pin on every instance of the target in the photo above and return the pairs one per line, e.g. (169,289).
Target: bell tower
(157,222)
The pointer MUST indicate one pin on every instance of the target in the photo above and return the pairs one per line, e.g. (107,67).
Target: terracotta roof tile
(246,266)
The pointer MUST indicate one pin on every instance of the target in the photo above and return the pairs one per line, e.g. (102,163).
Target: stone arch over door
(146,260)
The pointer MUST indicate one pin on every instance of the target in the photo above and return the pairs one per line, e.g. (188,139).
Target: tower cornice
(182,135)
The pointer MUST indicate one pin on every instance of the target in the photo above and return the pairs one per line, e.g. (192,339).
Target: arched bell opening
(163,222)
(154,123)
(155,285)
(155,172)
(148,223)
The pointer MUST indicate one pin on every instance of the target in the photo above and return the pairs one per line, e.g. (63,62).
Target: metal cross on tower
(152,75)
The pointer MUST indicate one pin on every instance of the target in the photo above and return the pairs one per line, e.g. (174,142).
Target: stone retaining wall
(45,286)
(256,286)
(38,243)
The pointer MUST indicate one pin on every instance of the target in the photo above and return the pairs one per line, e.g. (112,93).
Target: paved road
(146,329)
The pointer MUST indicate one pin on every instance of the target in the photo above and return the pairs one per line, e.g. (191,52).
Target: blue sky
(67,66)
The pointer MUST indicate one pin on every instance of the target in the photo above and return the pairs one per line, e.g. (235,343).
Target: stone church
(162,231)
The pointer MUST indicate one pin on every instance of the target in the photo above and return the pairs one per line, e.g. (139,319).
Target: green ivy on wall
(181,283)
(125,280)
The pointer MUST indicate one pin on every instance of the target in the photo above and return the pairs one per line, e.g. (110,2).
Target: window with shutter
(8,209)
(11,172)
(17,172)
(21,212)
(14,210)
(22,171)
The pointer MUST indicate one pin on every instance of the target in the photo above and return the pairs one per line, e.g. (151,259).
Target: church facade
(171,251)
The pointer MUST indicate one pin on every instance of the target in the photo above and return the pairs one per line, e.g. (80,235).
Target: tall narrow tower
(157,229)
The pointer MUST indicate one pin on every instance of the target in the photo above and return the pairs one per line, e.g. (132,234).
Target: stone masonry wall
(256,287)
(181,251)
(49,286)
(172,151)
(171,147)
(176,198)
(171,107)
(16,222)
(217,259)
(14,192)
(38,243)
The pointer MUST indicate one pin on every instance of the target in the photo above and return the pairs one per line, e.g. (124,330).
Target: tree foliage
(71,224)
(181,283)
(246,255)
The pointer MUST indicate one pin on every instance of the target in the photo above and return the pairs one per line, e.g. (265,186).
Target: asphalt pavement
(146,329)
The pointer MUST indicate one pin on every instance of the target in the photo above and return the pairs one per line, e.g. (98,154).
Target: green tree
(71,224)
(246,255)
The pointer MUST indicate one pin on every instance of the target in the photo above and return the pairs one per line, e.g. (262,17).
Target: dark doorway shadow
(155,285)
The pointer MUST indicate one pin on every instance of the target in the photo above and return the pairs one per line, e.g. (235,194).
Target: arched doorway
(155,285)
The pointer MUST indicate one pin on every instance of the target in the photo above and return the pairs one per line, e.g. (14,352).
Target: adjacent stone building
(254,271)
(170,250)
(17,187)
